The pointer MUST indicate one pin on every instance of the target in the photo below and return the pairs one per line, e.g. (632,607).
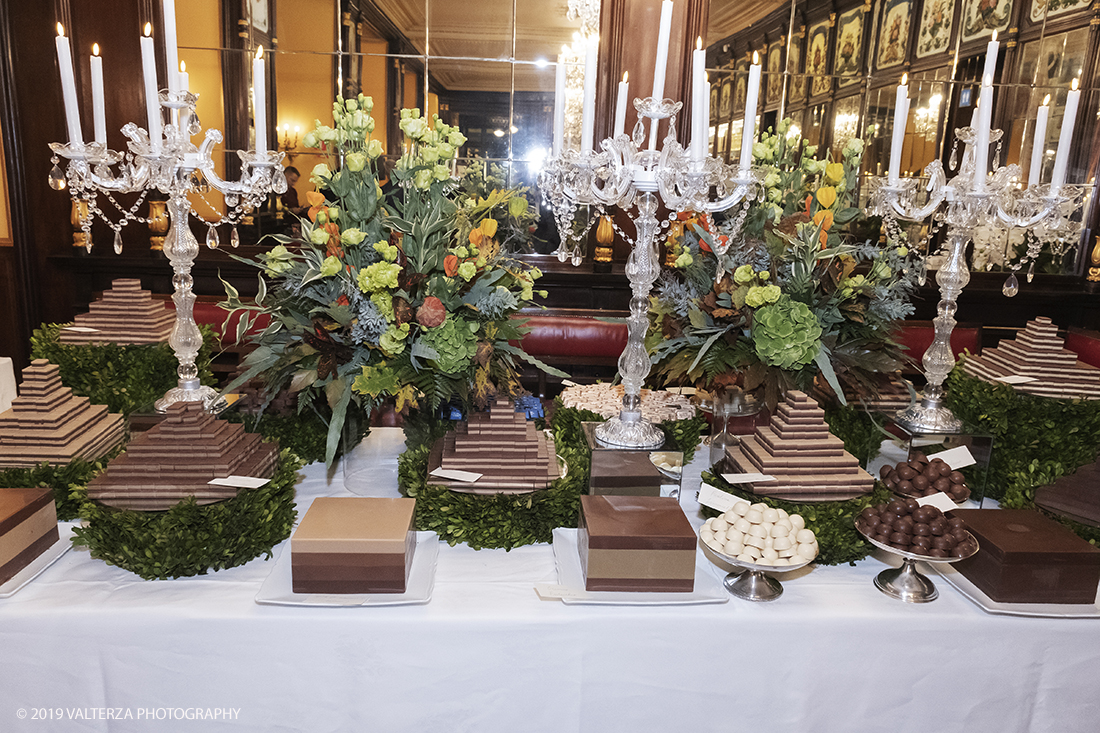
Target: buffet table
(86,644)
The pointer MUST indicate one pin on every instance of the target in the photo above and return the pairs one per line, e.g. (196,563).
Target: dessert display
(606,400)
(1028,558)
(354,545)
(627,472)
(914,532)
(511,455)
(28,527)
(635,543)
(924,476)
(8,392)
(760,535)
(178,457)
(1074,496)
(47,423)
(807,462)
(125,314)
(1037,352)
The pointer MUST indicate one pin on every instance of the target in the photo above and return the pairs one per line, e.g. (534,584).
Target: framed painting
(937,19)
(849,46)
(775,72)
(725,99)
(1041,9)
(740,85)
(715,110)
(982,17)
(794,65)
(817,59)
(894,40)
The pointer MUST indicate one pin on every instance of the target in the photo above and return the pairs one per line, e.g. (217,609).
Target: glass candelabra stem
(181,248)
(628,429)
(929,414)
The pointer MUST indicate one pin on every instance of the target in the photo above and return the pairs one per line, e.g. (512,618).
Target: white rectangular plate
(52,554)
(1042,610)
(708,589)
(277,589)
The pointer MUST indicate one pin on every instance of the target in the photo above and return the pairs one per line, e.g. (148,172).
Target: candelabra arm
(937,190)
(1050,203)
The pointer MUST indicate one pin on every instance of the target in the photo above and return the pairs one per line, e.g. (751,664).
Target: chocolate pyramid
(807,461)
(1037,352)
(125,314)
(48,423)
(512,456)
(178,457)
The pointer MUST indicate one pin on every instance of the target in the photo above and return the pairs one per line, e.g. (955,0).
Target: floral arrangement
(516,220)
(403,298)
(794,296)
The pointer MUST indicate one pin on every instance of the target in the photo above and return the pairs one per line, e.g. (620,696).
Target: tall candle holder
(973,199)
(172,164)
(625,174)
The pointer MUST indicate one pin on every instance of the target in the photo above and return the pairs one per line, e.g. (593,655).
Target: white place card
(569,383)
(747,478)
(455,475)
(715,498)
(239,482)
(552,592)
(1015,379)
(81,329)
(685,391)
(939,500)
(956,457)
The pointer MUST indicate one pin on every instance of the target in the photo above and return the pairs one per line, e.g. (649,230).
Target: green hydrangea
(760,295)
(786,334)
(467,270)
(384,303)
(387,250)
(455,341)
(743,274)
(379,276)
(393,340)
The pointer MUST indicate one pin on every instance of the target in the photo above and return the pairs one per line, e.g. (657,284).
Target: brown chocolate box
(28,527)
(1024,557)
(636,543)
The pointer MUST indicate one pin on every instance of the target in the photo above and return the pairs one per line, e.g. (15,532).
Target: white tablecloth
(86,640)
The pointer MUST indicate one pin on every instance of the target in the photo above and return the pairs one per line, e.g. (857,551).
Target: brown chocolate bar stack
(807,461)
(1038,352)
(893,395)
(178,457)
(512,456)
(125,314)
(1074,496)
(47,423)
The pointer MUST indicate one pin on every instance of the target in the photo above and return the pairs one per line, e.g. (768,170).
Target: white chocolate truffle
(790,552)
(785,524)
(760,506)
(706,535)
(768,543)
(780,562)
(757,531)
(733,549)
(797,521)
(754,516)
(742,524)
(753,541)
(770,515)
(766,562)
(769,554)
(741,508)
(718,525)
(734,534)
(805,537)
(745,557)
(782,543)
(782,513)
(807,551)
(752,551)
(778,530)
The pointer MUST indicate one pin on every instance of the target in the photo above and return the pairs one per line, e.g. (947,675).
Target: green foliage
(126,379)
(189,539)
(833,522)
(63,480)
(852,424)
(1035,439)
(510,520)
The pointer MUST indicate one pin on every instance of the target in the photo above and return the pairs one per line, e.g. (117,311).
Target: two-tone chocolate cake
(1037,352)
(509,453)
(125,314)
(28,527)
(807,462)
(354,545)
(47,423)
(177,458)
(635,543)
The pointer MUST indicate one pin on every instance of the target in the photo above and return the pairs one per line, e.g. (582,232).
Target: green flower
(461,253)
(387,250)
(330,266)
(374,148)
(763,275)
(379,276)
(902,251)
(760,295)
(683,260)
(320,175)
(743,274)
(355,161)
(393,340)
(517,206)
(786,334)
(278,260)
(455,341)
(422,179)
(467,270)
(319,236)
(384,303)
(352,236)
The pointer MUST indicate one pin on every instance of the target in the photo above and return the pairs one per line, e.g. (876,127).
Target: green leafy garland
(189,539)
(511,520)
(833,522)
(62,480)
(855,426)
(126,379)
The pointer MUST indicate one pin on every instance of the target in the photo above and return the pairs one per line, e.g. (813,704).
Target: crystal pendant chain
(212,240)
(118,242)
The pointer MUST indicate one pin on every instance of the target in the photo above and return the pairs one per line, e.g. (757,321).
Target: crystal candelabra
(973,199)
(624,174)
(171,163)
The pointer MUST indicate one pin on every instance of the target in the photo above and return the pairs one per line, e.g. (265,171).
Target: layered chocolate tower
(28,527)
(47,423)
(1037,352)
(178,457)
(509,453)
(806,460)
(125,314)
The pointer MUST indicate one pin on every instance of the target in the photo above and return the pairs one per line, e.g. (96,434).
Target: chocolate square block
(28,527)
(354,545)
(636,543)
(1024,557)
(628,472)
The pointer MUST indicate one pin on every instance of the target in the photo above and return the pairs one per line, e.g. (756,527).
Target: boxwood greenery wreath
(508,520)
(189,539)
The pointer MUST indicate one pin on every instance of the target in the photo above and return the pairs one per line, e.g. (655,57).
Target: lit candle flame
(755,58)
(1074,85)
(904,79)
(1046,100)
(148,29)
(60,29)
(698,43)
(994,39)
(259,52)
(183,67)
(95,49)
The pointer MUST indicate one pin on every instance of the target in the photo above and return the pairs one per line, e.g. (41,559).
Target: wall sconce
(288,142)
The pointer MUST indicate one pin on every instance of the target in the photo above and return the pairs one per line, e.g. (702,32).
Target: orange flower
(450,265)
(476,235)
(809,199)
(342,300)
(316,203)
(333,249)
(824,219)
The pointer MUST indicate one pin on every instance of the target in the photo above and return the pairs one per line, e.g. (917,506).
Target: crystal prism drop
(234,239)
(577,259)
(232,199)
(1031,271)
(88,241)
(953,162)
(639,133)
(562,254)
(195,126)
(212,238)
(1011,286)
(57,178)
(922,276)
(278,182)
(118,242)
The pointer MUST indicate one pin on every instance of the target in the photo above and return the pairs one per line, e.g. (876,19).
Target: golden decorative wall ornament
(605,237)
(158,224)
(77,215)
